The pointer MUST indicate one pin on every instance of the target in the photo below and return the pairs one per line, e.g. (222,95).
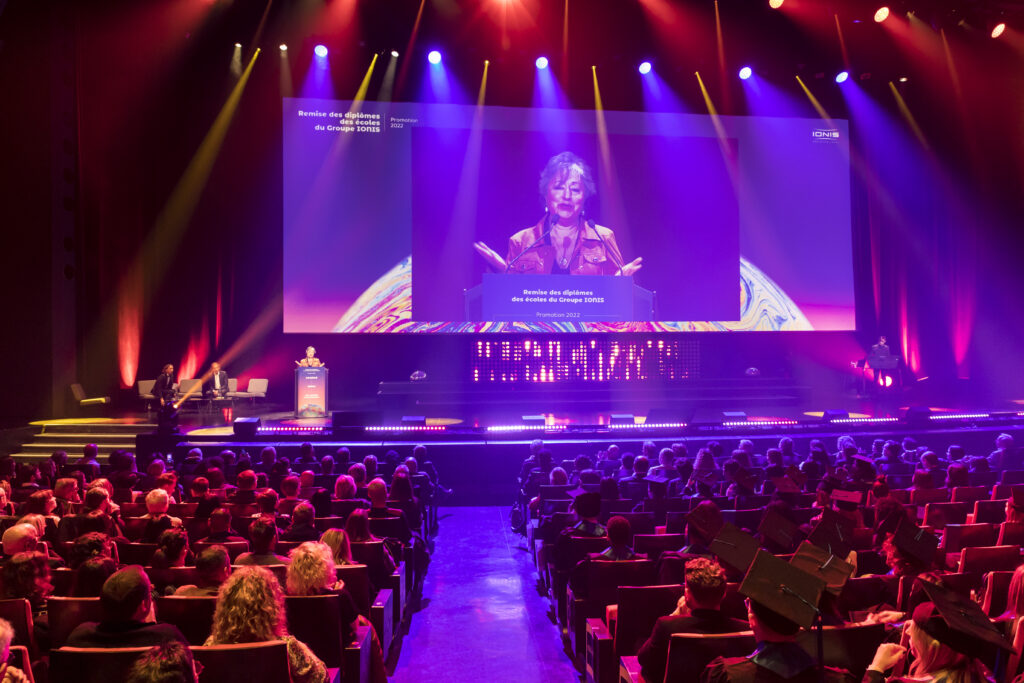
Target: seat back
(605,577)
(285,547)
(65,614)
(182,509)
(258,387)
(675,522)
(265,662)
(926,496)
(993,558)
(316,621)
(689,653)
(391,527)
(322,524)
(956,537)
(343,508)
(969,494)
(615,507)
(744,519)
(18,611)
(653,545)
(990,511)
(191,387)
(136,553)
(1010,533)
(1012,477)
(357,582)
(639,522)
(639,608)
(232,384)
(145,387)
(997,588)
(987,479)
(845,647)
(94,664)
(938,515)
(553,491)
(865,592)
(134,527)
(234,548)
(192,615)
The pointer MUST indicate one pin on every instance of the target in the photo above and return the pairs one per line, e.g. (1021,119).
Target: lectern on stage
(559,299)
(310,392)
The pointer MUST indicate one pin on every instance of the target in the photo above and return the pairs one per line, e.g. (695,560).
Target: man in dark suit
(217,385)
(698,612)
(163,389)
(126,602)
(881,348)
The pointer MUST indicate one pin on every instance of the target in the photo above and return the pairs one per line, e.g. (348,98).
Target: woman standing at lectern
(564,241)
(310,361)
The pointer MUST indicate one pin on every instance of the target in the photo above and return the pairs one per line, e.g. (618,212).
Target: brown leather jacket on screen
(596,252)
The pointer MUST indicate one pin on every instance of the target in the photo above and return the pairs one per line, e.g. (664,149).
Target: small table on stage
(311,392)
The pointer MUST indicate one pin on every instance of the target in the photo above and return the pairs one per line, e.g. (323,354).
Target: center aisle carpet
(485,620)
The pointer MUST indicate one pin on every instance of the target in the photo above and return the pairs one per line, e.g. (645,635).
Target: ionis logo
(825,135)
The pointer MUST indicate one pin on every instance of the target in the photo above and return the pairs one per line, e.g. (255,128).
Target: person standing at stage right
(163,388)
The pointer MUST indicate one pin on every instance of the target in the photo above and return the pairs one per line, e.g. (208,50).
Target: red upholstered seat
(995,558)
(65,614)
(265,662)
(192,615)
(94,665)
(19,612)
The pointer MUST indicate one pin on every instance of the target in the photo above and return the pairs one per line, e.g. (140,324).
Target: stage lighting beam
(842,76)
(542,62)
(434,57)
(745,73)
(998,30)
(320,51)
(881,14)
(644,68)
(283,47)
(394,53)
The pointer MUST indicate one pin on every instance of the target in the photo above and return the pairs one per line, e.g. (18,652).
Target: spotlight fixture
(542,62)
(998,29)
(903,79)
(842,76)
(775,4)
(284,48)
(238,46)
(394,53)
(745,73)
(434,57)
(881,14)
(320,51)
(644,68)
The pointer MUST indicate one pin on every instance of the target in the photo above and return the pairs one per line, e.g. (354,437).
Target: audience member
(302,527)
(8,672)
(90,577)
(220,528)
(169,662)
(341,549)
(262,539)
(213,567)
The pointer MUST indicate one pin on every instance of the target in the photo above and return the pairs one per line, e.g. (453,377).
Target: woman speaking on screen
(564,241)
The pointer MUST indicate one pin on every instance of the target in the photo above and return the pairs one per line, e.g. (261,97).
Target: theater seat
(65,614)
(995,558)
(193,615)
(690,653)
(97,665)
(18,611)
(265,662)
(316,621)
(845,647)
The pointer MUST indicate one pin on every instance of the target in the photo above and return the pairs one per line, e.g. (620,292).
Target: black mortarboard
(835,572)
(705,519)
(587,504)
(916,542)
(735,547)
(783,588)
(781,531)
(956,621)
(833,533)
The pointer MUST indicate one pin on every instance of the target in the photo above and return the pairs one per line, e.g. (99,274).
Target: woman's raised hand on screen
(492,257)
(633,266)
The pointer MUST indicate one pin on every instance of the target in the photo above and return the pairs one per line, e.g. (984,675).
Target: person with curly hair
(250,609)
(172,549)
(169,662)
(90,545)
(8,673)
(27,575)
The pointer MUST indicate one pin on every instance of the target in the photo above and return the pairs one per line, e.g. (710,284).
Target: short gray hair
(559,165)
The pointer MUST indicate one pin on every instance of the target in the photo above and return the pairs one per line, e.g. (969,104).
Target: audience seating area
(975,513)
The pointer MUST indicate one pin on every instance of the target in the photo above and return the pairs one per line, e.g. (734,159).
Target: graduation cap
(586,503)
(954,620)
(780,531)
(846,499)
(833,533)
(705,519)
(735,547)
(658,482)
(783,588)
(916,542)
(834,571)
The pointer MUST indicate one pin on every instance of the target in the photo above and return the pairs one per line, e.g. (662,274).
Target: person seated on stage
(310,361)
(262,539)
(289,495)
(90,577)
(698,611)
(220,528)
(172,550)
(126,603)
(302,528)
(307,484)
(158,521)
(164,663)
(245,492)
(217,385)
(213,567)
(250,608)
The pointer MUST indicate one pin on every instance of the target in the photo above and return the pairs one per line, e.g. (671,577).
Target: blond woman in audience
(250,609)
(341,548)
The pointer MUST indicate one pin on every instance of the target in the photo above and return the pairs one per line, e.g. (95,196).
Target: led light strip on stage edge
(863,420)
(527,428)
(959,416)
(292,430)
(407,428)
(760,423)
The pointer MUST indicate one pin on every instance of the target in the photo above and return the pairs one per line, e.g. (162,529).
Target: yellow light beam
(387,86)
(403,73)
(365,85)
(723,77)
(842,43)
(909,116)
(814,101)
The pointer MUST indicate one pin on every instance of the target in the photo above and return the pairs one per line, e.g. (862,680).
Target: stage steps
(73,437)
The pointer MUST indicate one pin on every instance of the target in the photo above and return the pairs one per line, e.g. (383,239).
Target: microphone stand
(551,225)
(593,226)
